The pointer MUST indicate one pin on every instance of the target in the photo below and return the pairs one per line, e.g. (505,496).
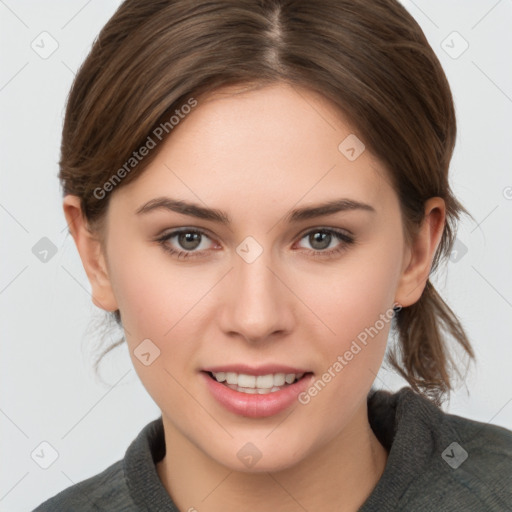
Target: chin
(259,457)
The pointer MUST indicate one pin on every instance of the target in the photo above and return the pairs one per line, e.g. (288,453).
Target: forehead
(261,147)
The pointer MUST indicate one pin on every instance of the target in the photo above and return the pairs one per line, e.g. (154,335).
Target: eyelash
(339,235)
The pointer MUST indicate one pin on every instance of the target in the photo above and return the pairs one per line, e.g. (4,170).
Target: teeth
(262,381)
(231,378)
(261,384)
(290,377)
(254,391)
(279,379)
(221,376)
(246,381)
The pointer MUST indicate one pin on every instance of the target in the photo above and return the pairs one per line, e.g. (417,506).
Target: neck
(340,476)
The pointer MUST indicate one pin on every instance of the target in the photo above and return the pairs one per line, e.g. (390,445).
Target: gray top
(437,462)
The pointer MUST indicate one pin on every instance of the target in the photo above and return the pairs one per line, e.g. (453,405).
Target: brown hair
(369,57)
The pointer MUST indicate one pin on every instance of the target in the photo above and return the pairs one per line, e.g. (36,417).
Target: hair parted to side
(369,57)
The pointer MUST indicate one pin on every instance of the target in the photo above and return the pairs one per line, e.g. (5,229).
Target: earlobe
(91,253)
(420,254)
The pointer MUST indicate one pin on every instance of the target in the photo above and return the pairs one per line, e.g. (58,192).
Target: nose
(258,305)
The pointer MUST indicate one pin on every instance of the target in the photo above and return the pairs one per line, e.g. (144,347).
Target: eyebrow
(212,214)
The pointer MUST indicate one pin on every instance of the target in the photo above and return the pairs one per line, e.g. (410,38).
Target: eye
(322,238)
(188,239)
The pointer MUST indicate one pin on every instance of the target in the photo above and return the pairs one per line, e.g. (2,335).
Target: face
(270,293)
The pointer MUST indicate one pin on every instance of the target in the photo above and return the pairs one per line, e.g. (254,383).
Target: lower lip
(256,406)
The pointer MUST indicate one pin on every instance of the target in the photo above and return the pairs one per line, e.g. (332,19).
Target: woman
(259,191)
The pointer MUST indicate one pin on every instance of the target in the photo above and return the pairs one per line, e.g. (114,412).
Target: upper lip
(253,370)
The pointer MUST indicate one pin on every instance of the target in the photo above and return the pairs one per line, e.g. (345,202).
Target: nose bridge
(257,305)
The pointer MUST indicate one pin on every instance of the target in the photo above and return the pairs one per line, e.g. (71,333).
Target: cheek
(360,291)
(139,299)
(357,305)
(161,302)
(149,289)
(156,301)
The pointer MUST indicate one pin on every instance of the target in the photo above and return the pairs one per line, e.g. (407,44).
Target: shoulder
(477,460)
(107,490)
(128,485)
(470,463)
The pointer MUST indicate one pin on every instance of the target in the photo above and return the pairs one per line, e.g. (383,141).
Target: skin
(257,155)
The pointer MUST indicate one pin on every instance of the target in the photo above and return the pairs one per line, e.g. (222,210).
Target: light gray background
(49,392)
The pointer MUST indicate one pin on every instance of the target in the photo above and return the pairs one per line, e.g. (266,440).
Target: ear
(91,254)
(419,256)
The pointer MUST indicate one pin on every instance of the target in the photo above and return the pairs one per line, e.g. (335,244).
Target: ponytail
(421,356)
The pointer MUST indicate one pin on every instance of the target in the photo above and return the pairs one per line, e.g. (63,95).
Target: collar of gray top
(400,421)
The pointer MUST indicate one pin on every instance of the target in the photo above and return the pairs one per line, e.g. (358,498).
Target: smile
(256,396)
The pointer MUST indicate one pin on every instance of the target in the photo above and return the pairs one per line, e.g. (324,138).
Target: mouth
(257,384)
(256,392)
